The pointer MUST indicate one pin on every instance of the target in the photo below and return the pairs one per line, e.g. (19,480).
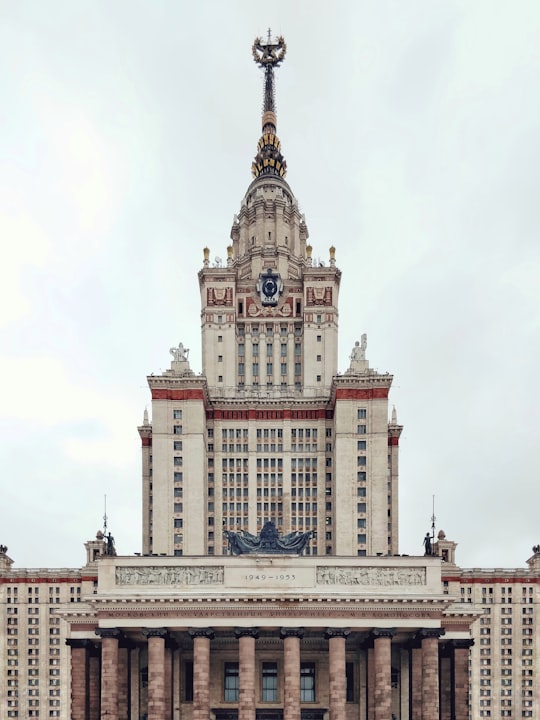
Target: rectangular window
(307,682)
(269,682)
(230,684)
(178,445)
(361,430)
(177,414)
(177,429)
(255,369)
(362,413)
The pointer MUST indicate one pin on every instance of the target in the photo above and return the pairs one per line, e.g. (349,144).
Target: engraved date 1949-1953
(264,576)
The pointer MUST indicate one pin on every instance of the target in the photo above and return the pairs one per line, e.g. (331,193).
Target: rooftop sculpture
(269,541)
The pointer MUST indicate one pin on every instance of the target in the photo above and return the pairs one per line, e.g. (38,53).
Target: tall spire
(268,54)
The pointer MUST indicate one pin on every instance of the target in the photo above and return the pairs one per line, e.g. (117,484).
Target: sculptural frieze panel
(319,295)
(375,576)
(167,575)
(219,296)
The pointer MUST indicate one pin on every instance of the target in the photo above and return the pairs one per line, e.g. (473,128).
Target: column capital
(383,633)
(113,633)
(424,633)
(201,632)
(461,643)
(252,632)
(286,632)
(155,632)
(330,633)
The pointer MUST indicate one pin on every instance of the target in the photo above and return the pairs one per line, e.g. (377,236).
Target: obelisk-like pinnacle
(269,160)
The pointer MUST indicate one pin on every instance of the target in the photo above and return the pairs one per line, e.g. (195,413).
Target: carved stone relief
(169,575)
(370,576)
(319,295)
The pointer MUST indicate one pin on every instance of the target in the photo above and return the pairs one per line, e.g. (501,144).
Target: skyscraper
(270,430)
(270,586)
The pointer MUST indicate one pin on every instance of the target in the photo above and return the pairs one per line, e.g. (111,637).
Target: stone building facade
(269,432)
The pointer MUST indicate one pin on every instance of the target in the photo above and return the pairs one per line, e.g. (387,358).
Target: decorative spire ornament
(269,53)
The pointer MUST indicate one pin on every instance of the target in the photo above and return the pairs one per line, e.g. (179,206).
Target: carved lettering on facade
(289,612)
(328,575)
(158,575)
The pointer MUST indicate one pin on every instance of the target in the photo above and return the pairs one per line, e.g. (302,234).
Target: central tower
(269,430)
(269,317)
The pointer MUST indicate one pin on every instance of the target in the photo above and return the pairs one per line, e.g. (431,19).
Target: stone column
(446,682)
(134,681)
(460,705)
(156,673)
(382,658)
(201,672)
(94,686)
(291,672)
(123,681)
(429,638)
(415,681)
(337,674)
(246,672)
(79,678)
(370,684)
(169,680)
(109,672)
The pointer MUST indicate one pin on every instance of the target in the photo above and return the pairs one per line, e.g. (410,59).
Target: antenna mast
(105,517)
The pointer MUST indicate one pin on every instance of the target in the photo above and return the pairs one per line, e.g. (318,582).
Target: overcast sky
(411,133)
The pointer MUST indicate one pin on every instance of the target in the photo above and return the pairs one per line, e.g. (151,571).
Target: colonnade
(105,677)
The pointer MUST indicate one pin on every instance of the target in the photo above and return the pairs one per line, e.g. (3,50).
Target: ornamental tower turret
(269,431)
(269,315)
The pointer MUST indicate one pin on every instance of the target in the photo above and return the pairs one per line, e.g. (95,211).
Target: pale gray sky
(411,132)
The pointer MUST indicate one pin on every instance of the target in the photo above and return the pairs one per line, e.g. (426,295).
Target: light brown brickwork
(416,683)
(123,684)
(246,656)
(78,680)
(337,676)
(168,682)
(94,687)
(461,678)
(382,658)
(201,672)
(156,673)
(446,687)
(430,672)
(291,672)
(109,672)
(370,684)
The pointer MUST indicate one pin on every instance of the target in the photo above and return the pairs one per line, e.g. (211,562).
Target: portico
(264,638)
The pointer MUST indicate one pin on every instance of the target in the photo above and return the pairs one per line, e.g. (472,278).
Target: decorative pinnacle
(269,160)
